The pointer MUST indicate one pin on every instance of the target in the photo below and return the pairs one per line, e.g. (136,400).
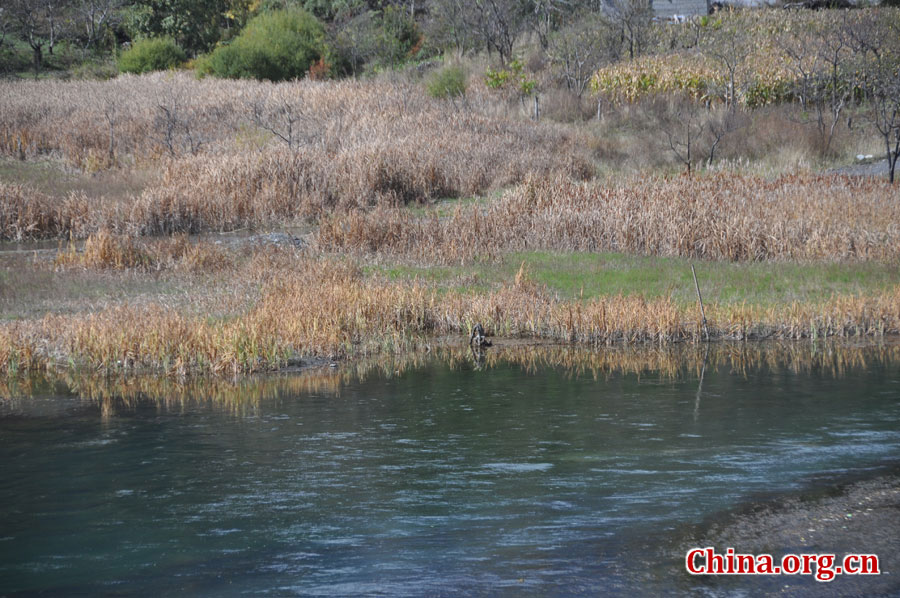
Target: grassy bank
(285,304)
(586,276)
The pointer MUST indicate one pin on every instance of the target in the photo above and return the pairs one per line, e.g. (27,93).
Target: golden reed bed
(330,308)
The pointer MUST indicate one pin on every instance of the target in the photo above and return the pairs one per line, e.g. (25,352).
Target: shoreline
(851,512)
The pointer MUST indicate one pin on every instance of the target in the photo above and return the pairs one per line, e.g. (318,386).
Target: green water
(435,480)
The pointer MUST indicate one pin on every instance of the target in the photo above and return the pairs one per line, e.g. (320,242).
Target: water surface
(510,477)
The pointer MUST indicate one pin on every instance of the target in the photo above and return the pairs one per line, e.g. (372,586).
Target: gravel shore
(853,517)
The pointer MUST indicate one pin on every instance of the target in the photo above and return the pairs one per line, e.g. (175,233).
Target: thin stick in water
(700,299)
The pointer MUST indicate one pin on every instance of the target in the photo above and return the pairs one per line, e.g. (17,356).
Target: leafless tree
(545,16)
(111,113)
(4,24)
(176,125)
(721,122)
(37,23)
(884,114)
(494,24)
(353,35)
(58,18)
(282,114)
(876,40)
(633,19)
(449,24)
(498,23)
(94,15)
(823,67)
(580,49)
(729,47)
(683,129)
(693,130)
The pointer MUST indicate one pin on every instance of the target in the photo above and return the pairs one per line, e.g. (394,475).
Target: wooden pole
(700,299)
(700,386)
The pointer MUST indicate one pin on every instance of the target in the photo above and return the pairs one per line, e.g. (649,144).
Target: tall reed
(721,217)
(330,308)
(227,160)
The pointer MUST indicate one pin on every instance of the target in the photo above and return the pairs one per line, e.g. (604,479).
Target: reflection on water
(524,471)
(676,362)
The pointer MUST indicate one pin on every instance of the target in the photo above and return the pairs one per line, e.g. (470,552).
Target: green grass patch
(589,275)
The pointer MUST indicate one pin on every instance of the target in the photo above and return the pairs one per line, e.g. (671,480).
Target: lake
(535,471)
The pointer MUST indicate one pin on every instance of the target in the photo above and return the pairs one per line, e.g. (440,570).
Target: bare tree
(448,24)
(875,38)
(4,24)
(722,121)
(498,23)
(693,130)
(729,47)
(29,19)
(58,18)
(823,65)
(176,125)
(632,19)
(884,114)
(111,113)
(353,35)
(493,24)
(580,49)
(282,114)
(683,128)
(94,15)
(546,16)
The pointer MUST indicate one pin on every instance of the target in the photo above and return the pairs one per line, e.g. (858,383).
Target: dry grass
(354,146)
(771,140)
(104,250)
(330,308)
(27,214)
(718,217)
(227,162)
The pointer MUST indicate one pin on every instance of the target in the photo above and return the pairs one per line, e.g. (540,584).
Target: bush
(151,54)
(276,46)
(13,59)
(398,37)
(95,70)
(448,82)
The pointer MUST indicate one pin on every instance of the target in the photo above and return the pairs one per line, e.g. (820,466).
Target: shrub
(514,77)
(276,46)
(397,37)
(447,82)
(151,54)
(95,70)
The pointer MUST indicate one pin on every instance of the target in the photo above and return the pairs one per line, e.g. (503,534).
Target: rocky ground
(856,517)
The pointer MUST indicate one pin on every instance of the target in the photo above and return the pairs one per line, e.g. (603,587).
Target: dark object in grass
(477,339)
